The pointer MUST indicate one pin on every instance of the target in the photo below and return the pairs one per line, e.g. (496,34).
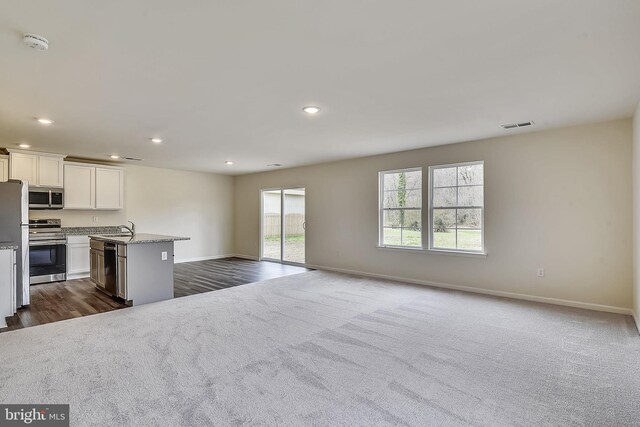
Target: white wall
(165,201)
(636,216)
(557,199)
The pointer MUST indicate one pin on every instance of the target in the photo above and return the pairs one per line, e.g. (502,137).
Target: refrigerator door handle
(14,284)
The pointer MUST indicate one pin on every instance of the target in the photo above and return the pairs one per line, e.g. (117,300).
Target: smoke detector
(35,41)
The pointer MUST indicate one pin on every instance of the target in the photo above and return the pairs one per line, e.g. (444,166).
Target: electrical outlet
(540,272)
(164,256)
(95,219)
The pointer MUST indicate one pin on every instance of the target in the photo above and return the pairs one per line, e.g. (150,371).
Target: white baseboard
(514,295)
(202,258)
(636,319)
(205,258)
(72,276)
(251,257)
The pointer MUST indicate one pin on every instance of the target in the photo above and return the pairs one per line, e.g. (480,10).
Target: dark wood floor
(52,302)
(191,278)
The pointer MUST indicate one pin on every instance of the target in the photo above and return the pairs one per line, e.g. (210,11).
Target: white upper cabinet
(24,167)
(50,171)
(4,168)
(93,187)
(39,169)
(109,188)
(79,186)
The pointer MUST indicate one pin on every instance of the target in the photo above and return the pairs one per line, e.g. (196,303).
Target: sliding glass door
(272,224)
(293,232)
(283,225)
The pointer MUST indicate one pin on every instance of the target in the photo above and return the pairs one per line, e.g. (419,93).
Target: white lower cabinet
(78,262)
(7,284)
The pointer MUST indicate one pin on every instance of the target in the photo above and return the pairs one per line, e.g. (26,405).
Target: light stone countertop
(137,239)
(85,231)
(7,245)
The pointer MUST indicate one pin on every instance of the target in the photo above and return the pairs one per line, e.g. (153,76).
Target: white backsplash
(73,218)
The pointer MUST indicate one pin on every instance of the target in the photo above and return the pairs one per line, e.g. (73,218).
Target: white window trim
(430,208)
(417,249)
(381,210)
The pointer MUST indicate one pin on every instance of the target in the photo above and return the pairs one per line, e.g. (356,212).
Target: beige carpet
(328,349)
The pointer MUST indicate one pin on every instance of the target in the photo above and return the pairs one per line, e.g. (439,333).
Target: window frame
(431,208)
(382,209)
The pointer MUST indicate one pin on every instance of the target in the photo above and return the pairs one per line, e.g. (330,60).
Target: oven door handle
(48,243)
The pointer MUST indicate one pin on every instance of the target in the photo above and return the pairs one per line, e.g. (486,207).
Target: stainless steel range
(47,251)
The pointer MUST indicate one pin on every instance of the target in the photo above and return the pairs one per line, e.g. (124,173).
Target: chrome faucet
(131,229)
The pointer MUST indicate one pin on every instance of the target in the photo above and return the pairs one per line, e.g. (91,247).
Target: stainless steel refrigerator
(14,228)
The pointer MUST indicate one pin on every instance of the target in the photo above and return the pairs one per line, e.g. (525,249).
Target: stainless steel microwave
(45,198)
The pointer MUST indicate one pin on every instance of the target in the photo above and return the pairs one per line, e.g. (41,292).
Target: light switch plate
(164,256)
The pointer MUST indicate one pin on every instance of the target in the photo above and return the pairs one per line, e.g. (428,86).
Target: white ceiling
(221,80)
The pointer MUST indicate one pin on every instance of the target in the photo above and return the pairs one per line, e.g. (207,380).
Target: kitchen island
(136,268)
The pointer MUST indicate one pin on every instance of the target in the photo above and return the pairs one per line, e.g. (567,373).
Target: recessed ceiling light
(311,109)
(228,162)
(24,146)
(113,156)
(156,140)
(45,121)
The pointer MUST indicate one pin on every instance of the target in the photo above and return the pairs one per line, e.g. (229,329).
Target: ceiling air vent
(132,158)
(517,125)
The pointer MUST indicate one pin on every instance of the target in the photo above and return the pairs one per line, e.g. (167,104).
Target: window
(456,208)
(401,208)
